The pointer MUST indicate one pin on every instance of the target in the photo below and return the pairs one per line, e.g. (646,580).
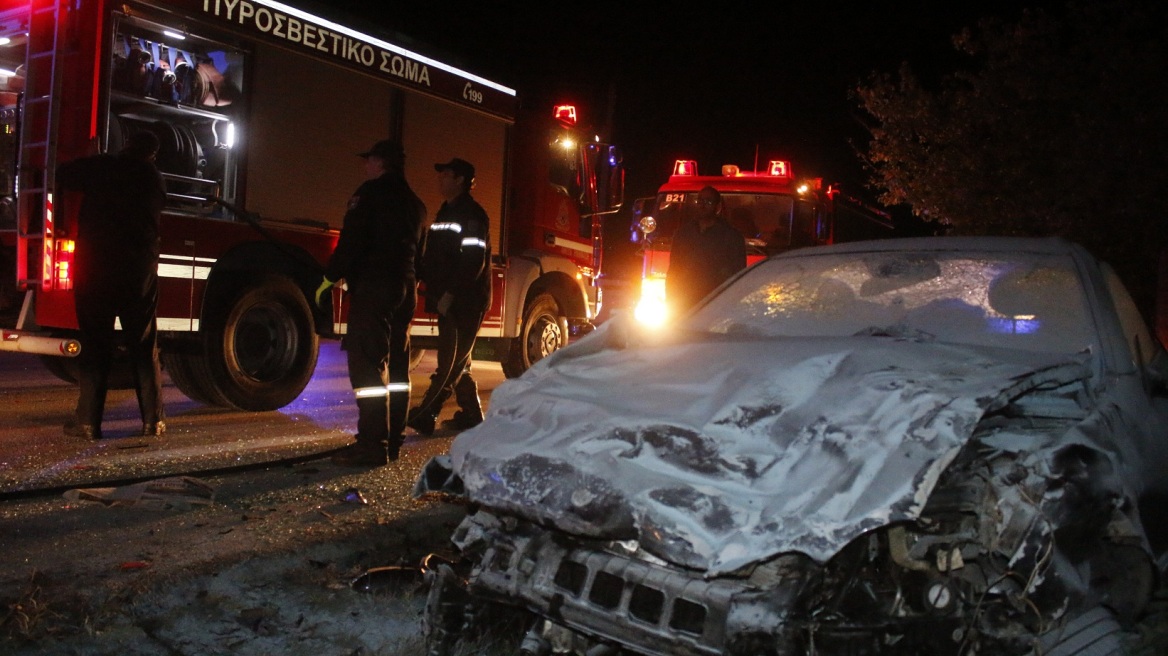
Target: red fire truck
(260,107)
(774,211)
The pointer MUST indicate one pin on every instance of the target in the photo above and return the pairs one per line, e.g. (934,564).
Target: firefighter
(375,255)
(116,273)
(705,253)
(456,268)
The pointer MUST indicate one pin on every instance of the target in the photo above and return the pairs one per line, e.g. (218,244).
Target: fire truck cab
(772,209)
(261,108)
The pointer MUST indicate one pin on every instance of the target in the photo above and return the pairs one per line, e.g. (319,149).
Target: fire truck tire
(120,376)
(543,332)
(60,367)
(416,355)
(261,345)
(189,374)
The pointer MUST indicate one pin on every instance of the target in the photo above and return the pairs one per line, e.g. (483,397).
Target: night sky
(712,84)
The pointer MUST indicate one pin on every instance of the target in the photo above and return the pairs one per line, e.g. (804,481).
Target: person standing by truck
(456,268)
(116,269)
(375,256)
(705,253)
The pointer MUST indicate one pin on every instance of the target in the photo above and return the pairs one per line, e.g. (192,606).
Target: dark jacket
(117,231)
(380,236)
(458,256)
(700,260)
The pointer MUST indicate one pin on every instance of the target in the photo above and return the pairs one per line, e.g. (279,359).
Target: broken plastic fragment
(179,493)
(353,495)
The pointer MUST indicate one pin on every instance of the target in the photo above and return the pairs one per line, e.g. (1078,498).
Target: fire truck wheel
(543,332)
(416,355)
(62,368)
(121,375)
(190,375)
(261,345)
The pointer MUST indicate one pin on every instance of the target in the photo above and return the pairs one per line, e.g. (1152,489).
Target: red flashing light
(779,168)
(63,264)
(565,114)
(685,167)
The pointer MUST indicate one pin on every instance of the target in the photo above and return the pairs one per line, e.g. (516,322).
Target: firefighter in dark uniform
(456,268)
(375,255)
(705,253)
(116,277)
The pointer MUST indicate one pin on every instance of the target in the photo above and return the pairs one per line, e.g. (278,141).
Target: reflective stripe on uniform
(453,227)
(474,241)
(369,392)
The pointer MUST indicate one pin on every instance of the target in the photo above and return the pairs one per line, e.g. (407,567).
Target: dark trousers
(133,300)
(378,350)
(457,331)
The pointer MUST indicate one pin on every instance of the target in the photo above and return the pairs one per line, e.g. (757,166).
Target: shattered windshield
(1032,302)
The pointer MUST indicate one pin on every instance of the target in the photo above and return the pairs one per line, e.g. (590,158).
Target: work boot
(74,428)
(423,422)
(393,449)
(466,393)
(153,428)
(362,453)
(463,420)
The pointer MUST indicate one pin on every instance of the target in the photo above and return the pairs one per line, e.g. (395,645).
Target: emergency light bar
(776,168)
(565,114)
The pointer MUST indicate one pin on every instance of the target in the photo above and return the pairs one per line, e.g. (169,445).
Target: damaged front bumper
(599,595)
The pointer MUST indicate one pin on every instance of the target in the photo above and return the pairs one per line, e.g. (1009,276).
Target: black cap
(460,167)
(388,150)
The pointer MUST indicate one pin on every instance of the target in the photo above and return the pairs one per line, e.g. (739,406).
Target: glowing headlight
(651,309)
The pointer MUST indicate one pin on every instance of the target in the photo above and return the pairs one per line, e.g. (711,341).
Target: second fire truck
(772,209)
(260,107)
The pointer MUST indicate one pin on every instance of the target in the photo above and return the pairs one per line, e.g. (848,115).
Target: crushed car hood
(716,453)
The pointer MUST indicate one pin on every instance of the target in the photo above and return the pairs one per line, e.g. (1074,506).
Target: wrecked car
(921,446)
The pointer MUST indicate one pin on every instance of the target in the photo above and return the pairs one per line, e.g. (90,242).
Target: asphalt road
(35,455)
(281,536)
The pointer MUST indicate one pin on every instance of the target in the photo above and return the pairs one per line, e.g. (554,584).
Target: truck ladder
(38,143)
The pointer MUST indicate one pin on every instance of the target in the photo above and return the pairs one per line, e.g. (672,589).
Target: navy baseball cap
(387,149)
(460,167)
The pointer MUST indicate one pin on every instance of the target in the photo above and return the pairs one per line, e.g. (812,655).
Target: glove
(445,302)
(325,285)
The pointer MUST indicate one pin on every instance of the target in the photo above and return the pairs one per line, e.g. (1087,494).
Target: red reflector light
(685,167)
(565,114)
(779,168)
(63,265)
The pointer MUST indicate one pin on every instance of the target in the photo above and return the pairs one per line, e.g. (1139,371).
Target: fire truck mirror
(612,184)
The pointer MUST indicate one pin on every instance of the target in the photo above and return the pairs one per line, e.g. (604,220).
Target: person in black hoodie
(116,273)
(456,268)
(375,255)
